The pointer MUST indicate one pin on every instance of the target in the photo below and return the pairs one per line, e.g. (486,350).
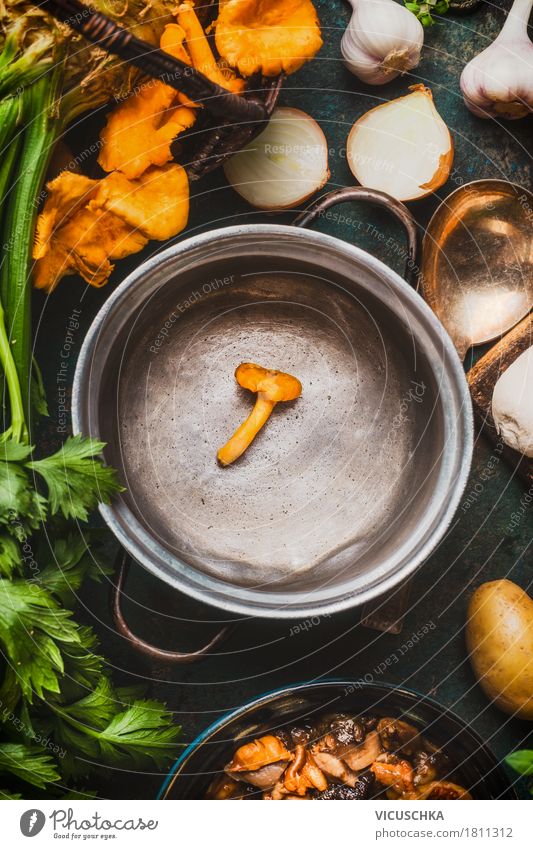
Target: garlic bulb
(512,404)
(499,81)
(382,40)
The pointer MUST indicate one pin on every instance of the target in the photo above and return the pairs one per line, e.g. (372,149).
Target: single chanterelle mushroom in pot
(271,387)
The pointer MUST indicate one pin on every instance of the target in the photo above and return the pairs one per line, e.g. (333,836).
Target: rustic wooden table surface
(492,533)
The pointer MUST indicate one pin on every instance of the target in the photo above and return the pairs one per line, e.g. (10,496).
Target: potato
(499,637)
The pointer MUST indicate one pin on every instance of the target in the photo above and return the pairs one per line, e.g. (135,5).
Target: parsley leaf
(84,667)
(10,556)
(76,479)
(12,451)
(103,733)
(95,709)
(10,690)
(68,562)
(21,507)
(521,761)
(33,630)
(28,763)
(143,730)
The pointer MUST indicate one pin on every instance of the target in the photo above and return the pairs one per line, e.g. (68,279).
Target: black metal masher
(101,30)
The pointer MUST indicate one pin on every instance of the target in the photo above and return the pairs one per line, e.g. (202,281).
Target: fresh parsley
(425,11)
(57,687)
(521,761)
(30,764)
(34,628)
(54,684)
(103,728)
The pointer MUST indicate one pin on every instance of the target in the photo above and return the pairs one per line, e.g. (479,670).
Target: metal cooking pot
(347,490)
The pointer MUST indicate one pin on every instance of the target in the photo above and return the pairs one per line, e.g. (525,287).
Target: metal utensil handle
(109,36)
(123,563)
(360,193)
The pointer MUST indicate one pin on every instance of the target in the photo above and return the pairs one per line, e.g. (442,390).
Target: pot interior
(339,482)
(472,764)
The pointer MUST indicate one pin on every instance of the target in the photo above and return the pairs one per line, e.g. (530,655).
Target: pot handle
(396,207)
(122,564)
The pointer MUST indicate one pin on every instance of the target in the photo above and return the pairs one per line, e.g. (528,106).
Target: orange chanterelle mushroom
(269,37)
(271,387)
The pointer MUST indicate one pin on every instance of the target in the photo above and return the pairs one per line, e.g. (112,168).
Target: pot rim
(242,600)
(291,689)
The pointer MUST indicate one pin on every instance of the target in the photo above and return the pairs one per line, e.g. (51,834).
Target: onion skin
(441,174)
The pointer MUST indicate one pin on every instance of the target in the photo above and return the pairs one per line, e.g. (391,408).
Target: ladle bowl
(477,267)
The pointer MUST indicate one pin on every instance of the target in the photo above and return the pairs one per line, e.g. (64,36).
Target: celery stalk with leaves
(61,715)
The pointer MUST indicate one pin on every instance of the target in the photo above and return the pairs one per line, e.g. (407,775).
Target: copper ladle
(477,266)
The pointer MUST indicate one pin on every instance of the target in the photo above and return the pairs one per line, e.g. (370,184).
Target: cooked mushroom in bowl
(339,739)
(340,757)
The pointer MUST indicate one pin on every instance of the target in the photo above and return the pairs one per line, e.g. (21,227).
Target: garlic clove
(382,40)
(402,147)
(284,165)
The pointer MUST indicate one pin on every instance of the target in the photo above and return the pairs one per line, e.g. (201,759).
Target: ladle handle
(360,193)
(109,36)
(123,563)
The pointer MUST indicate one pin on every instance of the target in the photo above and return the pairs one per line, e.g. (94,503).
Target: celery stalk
(9,159)
(40,134)
(9,114)
(18,429)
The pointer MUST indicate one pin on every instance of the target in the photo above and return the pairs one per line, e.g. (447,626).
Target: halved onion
(402,147)
(284,165)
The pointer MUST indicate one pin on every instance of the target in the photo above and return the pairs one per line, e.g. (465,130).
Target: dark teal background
(482,543)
